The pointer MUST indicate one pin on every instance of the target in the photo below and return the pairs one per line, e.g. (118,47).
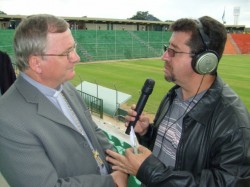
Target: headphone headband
(206,60)
(204,37)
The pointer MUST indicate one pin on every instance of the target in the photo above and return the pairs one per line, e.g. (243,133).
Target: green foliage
(129,76)
(144,15)
(3,13)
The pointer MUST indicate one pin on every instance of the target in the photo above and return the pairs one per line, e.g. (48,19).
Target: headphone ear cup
(205,62)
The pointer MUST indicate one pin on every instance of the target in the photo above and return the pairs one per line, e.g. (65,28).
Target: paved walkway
(113,127)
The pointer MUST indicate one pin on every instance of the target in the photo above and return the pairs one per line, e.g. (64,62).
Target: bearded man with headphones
(201,132)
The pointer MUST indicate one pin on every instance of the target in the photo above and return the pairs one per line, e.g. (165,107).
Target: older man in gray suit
(47,135)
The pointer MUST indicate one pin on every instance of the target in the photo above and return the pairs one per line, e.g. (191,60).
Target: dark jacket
(7,73)
(214,148)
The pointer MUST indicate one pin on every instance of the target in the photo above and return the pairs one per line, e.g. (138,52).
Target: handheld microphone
(145,92)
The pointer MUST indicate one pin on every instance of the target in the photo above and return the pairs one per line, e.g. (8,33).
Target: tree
(1,12)
(140,15)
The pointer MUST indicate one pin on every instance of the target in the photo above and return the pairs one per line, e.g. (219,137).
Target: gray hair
(31,36)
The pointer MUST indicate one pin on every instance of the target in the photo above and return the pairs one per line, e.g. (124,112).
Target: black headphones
(207,60)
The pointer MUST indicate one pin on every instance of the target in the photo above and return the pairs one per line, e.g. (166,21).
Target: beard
(169,76)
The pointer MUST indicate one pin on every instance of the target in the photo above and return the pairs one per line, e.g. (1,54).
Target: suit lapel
(80,113)
(45,107)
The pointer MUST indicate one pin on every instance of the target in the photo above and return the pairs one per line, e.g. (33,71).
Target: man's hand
(120,178)
(142,124)
(130,163)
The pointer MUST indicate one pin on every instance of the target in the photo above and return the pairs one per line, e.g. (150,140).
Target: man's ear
(35,63)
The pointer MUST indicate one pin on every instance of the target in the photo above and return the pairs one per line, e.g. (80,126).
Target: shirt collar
(197,96)
(47,91)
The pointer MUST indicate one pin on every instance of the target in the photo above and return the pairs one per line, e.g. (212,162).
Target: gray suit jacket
(40,147)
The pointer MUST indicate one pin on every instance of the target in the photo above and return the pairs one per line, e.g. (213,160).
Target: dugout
(112,98)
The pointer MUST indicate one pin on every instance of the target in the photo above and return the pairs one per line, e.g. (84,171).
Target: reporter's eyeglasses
(67,53)
(171,52)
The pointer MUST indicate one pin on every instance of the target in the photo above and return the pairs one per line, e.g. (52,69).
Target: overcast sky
(123,9)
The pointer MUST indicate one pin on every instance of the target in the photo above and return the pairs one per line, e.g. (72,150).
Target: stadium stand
(231,48)
(243,42)
(6,42)
(107,44)
(99,45)
(114,45)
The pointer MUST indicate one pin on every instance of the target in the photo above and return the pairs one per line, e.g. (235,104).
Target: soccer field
(129,77)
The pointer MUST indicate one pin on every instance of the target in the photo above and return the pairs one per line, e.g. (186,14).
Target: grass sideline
(129,77)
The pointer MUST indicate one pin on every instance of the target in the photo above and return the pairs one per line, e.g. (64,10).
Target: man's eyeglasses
(172,52)
(67,53)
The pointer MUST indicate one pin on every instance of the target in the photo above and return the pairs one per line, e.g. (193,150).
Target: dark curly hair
(215,31)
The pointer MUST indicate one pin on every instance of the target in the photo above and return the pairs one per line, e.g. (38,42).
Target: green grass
(129,77)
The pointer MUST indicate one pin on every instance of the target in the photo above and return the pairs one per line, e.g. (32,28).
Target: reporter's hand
(130,162)
(142,124)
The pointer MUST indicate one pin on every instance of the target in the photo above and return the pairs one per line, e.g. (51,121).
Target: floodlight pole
(96,89)
(116,98)
(81,84)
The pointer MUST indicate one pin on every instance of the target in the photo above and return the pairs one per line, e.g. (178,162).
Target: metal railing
(94,104)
